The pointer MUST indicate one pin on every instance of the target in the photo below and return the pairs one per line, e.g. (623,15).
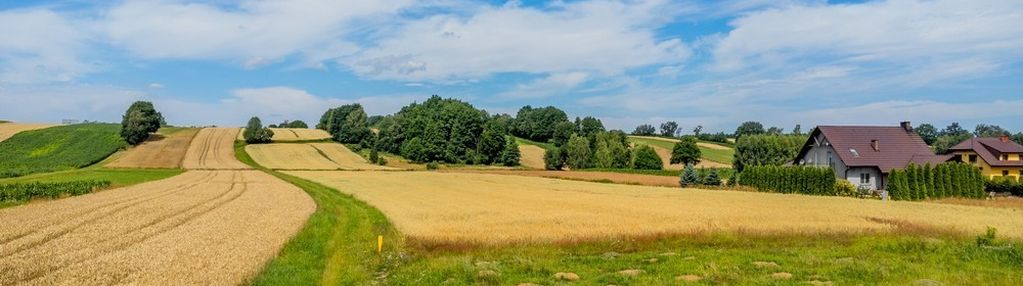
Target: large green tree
(927,132)
(255,133)
(538,124)
(669,129)
(686,151)
(138,121)
(773,150)
(645,158)
(577,152)
(439,129)
(749,128)
(510,155)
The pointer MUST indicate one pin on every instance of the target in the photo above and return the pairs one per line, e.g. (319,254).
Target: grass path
(338,244)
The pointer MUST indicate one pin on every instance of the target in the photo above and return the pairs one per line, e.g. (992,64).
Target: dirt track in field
(9,129)
(161,151)
(312,156)
(213,149)
(531,156)
(199,228)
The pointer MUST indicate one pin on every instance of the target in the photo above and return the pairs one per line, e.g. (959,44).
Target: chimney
(1004,138)
(875,145)
(906,126)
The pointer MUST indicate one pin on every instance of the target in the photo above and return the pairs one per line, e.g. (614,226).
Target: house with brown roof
(864,155)
(995,156)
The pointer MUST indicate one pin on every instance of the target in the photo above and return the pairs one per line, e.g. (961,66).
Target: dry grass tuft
(462,210)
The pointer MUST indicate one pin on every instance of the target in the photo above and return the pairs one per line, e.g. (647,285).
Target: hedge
(1005,184)
(790,179)
(27,191)
(944,180)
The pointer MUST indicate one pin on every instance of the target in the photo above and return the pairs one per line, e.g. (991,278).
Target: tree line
(942,140)
(790,179)
(944,180)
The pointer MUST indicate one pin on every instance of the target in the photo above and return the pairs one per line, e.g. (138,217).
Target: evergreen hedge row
(27,191)
(790,179)
(944,180)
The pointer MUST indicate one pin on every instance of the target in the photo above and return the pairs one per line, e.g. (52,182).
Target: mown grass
(58,148)
(337,246)
(727,259)
(723,156)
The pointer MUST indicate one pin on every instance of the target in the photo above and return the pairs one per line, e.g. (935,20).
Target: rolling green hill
(58,148)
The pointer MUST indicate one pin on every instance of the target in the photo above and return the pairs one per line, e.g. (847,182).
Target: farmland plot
(531,156)
(295,134)
(9,129)
(213,148)
(201,227)
(312,156)
(480,209)
(161,151)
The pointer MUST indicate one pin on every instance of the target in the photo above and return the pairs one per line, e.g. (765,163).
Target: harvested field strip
(345,158)
(289,156)
(531,156)
(212,148)
(160,151)
(459,209)
(9,129)
(150,233)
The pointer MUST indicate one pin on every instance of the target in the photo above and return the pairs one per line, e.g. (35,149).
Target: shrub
(686,151)
(790,179)
(688,177)
(577,152)
(374,156)
(510,156)
(645,158)
(845,188)
(138,121)
(1004,185)
(432,166)
(712,179)
(255,133)
(553,160)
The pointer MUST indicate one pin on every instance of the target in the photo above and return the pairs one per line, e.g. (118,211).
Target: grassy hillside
(723,156)
(58,148)
(524,141)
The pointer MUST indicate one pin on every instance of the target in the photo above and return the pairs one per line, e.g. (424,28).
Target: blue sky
(710,63)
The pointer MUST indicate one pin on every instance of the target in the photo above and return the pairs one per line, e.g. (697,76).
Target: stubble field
(459,209)
(212,149)
(201,227)
(161,151)
(311,156)
(531,156)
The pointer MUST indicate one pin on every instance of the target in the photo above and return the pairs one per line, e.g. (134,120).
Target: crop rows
(27,191)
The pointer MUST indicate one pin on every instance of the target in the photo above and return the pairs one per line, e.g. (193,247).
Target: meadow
(58,148)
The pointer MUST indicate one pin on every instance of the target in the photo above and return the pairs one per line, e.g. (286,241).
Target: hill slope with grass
(710,151)
(58,148)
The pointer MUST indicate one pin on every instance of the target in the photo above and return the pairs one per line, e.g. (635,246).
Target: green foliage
(927,132)
(941,181)
(539,124)
(58,148)
(644,130)
(138,121)
(553,159)
(1006,184)
(669,129)
(719,137)
(19,192)
(443,130)
(255,133)
(510,155)
(749,128)
(562,132)
(689,177)
(577,152)
(590,126)
(712,178)
(432,166)
(790,179)
(645,158)
(290,124)
(768,150)
(686,151)
(733,178)
(347,124)
(988,238)
(845,188)
(985,130)
(374,155)
(602,157)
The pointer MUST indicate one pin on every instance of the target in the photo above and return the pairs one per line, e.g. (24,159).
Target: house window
(1005,157)
(1005,173)
(973,158)
(864,178)
(830,163)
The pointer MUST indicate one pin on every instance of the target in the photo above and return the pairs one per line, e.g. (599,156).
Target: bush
(553,160)
(374,156)
(1004,185)
(712,178)
(432,166)
(688,177)
(944,180)
(58,148)
(845,188)
(25,191)
(138,121)
(577,152)
(790,179)
(645,158)
(686,151)
(773,150)
(510,156)
(255,133)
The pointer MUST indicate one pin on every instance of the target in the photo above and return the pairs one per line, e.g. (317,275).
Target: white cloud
(554,84)
(37,45)
(907,35)
(606,37)
(155,86)
(253,33)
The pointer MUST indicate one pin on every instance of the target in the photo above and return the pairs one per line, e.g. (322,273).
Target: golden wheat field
(531,156)
(294,134)
(9,129)
(441,209)
(213,148)
(201,227)
(160,151)
(592,176)
(314,156)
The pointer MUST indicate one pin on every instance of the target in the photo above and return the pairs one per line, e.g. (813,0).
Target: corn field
(27,191)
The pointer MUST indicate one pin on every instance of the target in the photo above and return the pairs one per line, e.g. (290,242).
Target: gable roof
(896,146)
(989,148)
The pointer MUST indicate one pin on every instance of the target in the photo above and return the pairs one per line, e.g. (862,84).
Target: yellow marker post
(380,245)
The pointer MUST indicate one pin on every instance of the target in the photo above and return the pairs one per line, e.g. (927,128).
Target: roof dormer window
(855,154)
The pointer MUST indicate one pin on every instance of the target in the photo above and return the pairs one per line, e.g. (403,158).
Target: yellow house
(996,157)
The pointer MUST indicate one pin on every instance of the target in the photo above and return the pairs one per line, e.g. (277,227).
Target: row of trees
(767,150)
(790,179)
(601,150)
(953,134)
(290,124)
(917,182)
(138,121)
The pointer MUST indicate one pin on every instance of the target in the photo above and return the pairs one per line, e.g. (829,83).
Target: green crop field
(58,148)
(723,156)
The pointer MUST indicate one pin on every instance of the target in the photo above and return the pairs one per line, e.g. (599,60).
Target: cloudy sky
(713,63)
